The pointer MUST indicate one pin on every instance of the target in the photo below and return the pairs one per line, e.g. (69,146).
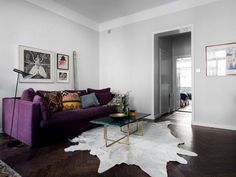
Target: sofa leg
(14,143)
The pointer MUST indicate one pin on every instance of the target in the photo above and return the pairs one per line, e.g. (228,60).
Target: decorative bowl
(118,116)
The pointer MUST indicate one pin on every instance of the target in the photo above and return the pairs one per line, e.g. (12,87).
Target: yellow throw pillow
(70,100)
(71,105)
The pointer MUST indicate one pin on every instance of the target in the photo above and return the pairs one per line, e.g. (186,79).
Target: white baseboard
(203,124)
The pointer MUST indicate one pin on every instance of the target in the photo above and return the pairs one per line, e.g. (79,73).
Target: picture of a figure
(38,63)
(62,61)
(37,70)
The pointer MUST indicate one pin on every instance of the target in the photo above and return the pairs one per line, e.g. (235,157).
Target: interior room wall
(22,23)
(126,60)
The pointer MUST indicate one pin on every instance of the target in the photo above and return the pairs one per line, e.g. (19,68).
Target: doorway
(173,72)
(184,75)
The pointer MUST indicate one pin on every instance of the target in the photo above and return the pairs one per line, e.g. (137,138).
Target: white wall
(22,23)
(181,45)
(126,60)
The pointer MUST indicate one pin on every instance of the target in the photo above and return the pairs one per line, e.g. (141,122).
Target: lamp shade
(24,74)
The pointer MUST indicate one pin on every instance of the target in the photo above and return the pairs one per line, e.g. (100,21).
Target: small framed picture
(63,76)
(62,61)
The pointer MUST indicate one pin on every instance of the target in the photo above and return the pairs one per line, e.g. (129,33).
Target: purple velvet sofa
(31,128)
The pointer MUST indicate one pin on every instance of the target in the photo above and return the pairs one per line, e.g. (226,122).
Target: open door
(165,80)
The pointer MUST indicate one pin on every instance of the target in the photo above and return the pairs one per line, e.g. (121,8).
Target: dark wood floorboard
(216,149)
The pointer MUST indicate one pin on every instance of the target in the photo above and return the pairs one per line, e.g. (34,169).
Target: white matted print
(63,76)
(231,59)
(62,61)
(39,63)
(221,59)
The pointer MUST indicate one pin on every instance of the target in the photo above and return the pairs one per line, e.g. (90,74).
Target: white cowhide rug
(150,152)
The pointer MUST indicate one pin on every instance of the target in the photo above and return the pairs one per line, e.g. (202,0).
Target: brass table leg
(139,131)
(128,135)
(105,134)
(142,132)
(113,141)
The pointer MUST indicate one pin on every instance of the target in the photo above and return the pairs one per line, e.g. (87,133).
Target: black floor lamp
(25,75)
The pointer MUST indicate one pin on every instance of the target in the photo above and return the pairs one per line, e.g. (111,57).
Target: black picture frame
(62,61)
(37,62)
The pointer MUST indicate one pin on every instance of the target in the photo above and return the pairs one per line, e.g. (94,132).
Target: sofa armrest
(25,126)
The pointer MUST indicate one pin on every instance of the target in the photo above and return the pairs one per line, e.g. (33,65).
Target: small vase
(132,113)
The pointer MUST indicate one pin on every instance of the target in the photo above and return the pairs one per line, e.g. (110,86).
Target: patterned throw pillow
(54,101)
(70,100)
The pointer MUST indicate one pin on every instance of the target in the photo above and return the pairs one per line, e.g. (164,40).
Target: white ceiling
(102,15)
(106,10)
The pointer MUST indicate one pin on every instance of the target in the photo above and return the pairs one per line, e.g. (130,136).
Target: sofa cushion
(70,100)
(42,92)
(54,101)
(104,98)
(89,100)
(28,94)
(44,108)
(77,116)
(105,90)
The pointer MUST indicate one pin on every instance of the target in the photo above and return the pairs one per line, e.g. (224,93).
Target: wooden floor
(216,149)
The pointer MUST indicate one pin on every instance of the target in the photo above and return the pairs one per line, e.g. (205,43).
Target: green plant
(123,103)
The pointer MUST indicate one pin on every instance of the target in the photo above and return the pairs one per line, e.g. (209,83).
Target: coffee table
(124,123)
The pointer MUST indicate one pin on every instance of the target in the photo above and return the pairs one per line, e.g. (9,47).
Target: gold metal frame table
(125,127)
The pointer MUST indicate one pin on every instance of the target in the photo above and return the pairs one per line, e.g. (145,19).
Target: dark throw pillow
(105,90)
(89,100)
(104,98)
(28,94)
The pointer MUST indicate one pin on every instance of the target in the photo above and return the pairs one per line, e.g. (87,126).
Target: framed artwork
(37,62)
(221,59)
(63,76)
(62,61)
